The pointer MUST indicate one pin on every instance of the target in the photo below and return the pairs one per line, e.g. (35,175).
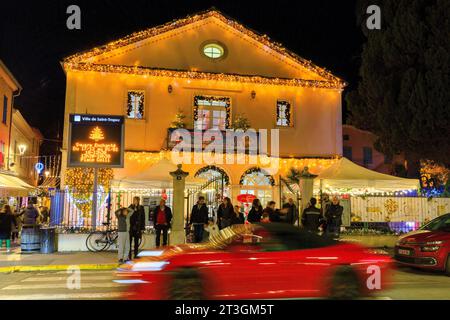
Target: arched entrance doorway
(258,182)
(215,187)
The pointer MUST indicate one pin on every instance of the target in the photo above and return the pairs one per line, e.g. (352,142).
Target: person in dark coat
(271,213)
(162,217)
(333,216)
(225,213)
(238,217)
(312,217)
(255,214)
(137,225)
(6,223)
(30,215)
(292,212)
(324,207)
(199,219)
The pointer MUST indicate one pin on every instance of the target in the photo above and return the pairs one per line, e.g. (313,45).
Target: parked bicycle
(103,240)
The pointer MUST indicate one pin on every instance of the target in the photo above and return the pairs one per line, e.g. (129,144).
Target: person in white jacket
(212,228)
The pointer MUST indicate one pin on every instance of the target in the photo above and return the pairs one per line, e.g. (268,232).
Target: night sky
(34,39)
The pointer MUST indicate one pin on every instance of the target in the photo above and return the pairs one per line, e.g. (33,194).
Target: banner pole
(94,200)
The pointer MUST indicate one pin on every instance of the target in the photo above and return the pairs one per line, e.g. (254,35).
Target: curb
(60,267)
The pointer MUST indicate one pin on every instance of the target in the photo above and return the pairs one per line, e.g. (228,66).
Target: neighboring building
(24,148)
(212,69)
(9,88)
(359,148)
(15,181)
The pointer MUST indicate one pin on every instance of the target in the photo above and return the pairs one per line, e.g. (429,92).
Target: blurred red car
(258,261)
(427,247)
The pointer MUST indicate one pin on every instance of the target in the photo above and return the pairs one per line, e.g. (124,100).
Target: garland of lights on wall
(198,75)
(256,170)
(315,165)
(226,179)
(78,61)
(210,99)
(80,184)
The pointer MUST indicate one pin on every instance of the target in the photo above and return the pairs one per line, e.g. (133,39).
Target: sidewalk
(58,261)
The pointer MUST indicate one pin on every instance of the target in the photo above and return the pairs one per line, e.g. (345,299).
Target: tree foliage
(403,94)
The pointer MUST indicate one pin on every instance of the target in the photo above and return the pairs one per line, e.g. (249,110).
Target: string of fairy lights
(315,165)
(84,61)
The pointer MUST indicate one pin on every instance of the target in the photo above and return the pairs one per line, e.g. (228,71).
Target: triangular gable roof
(82,60)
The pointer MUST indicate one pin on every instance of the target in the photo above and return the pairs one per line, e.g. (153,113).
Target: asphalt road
(406,284)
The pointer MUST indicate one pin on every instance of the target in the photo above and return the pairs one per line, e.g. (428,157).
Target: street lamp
(47,173)
(22,149)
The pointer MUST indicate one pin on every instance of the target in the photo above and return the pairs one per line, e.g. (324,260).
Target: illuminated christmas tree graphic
(96,134)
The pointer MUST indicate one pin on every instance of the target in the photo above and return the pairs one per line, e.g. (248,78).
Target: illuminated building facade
(208,71)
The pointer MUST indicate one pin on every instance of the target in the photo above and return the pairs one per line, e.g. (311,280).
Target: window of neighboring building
(346,137)
(5,109)
(213,50)
(283,113)
(348,152)
(135,104)
(211,112)
(367,155)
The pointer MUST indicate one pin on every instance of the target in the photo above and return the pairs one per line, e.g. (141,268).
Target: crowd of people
(131,225)
(131,220)
(327,219)
(13,222)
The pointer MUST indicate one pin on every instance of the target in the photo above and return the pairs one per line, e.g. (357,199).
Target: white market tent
(156,176)
(346,175)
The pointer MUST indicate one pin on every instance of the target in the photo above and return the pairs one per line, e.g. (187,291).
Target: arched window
(210,172)
(256,177)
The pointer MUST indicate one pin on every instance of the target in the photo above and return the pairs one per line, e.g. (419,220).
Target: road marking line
(106,266)
(62,278)
(84,272)
(61,296)
(60,286)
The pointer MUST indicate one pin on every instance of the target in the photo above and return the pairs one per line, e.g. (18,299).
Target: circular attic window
(213,50)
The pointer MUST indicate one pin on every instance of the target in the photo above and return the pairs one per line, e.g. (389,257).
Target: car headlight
(429,249)
(150,253)
(377,251)
(431,243)
(149,265)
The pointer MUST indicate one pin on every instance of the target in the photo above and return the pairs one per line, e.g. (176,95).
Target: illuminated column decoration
(306,187)
(177,234)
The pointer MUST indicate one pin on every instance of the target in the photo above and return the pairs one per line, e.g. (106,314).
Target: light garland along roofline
(174,24)
(197,75)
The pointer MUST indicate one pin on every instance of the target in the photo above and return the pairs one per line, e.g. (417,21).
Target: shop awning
(14,186)
(345,174)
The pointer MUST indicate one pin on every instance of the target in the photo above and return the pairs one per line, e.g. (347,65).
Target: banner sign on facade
(96,141)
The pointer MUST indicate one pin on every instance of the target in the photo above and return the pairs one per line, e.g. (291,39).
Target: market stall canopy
(14,186)
(156,176)
(345,174)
